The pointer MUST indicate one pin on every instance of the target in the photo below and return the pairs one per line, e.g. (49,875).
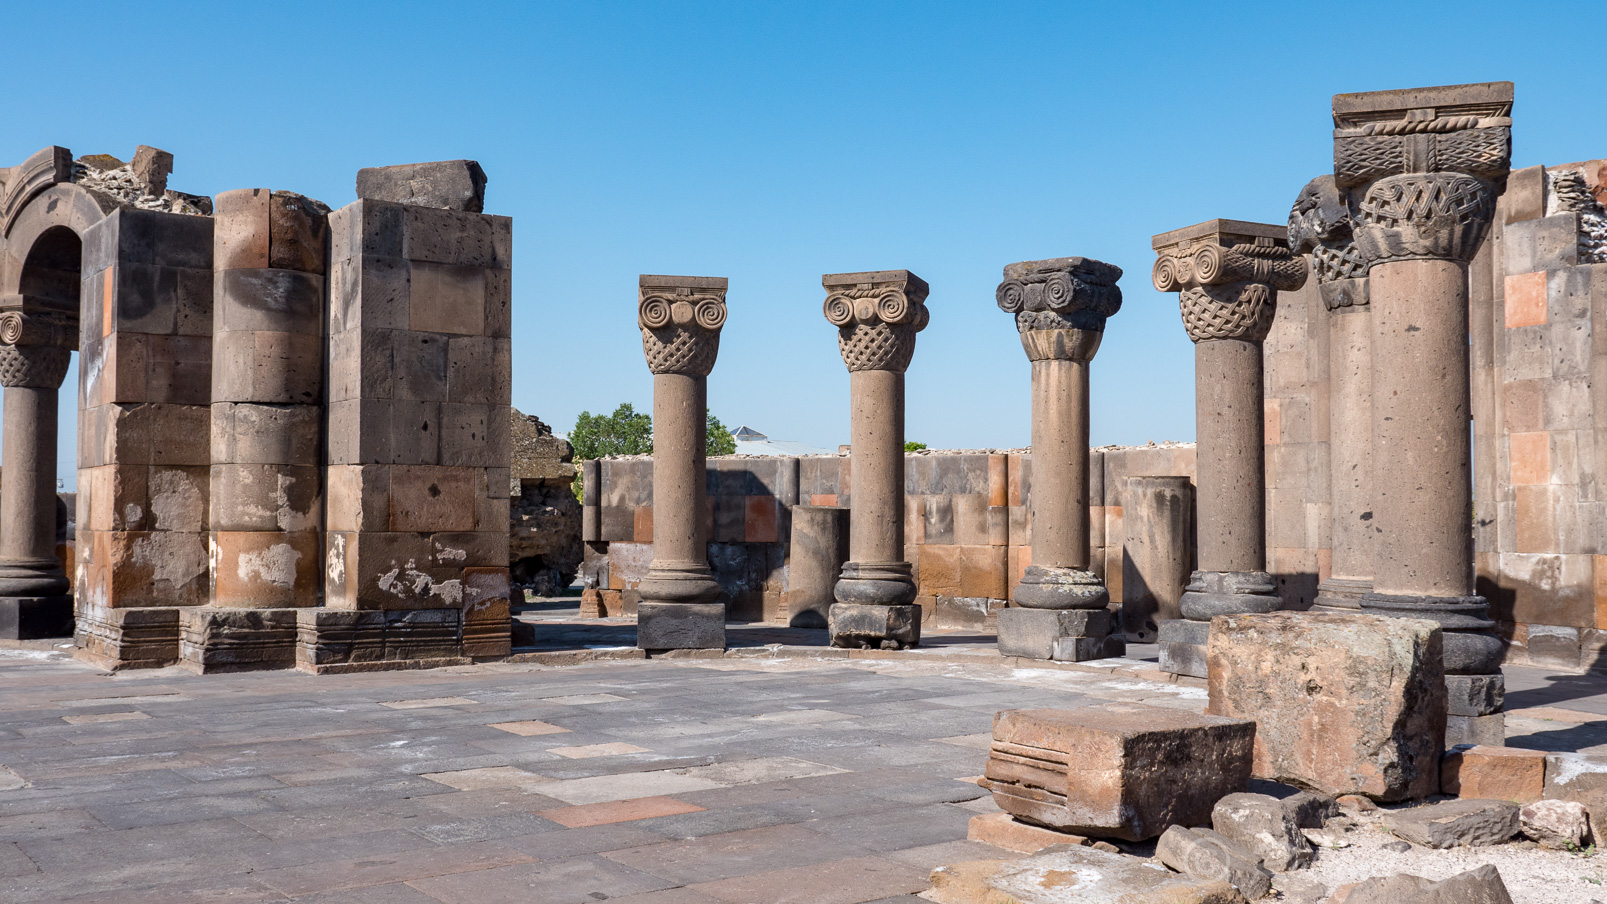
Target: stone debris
(1005,831)
(1079,874)
(1265,828)
(1324,723)
(1326,838)
(544,546)
(1454,823)
(1476,886)
(1559,825)
(1118,770)
(1310,811)
(442,184)
(1355,803)
(1494,773)
(141,184)
(1205,854)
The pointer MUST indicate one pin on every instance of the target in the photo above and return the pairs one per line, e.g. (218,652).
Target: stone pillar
(877,315)
(266,507)
(1060,306)
(35,350)
(1227,275)
(680,318)
(1421,169)
(1157,552)
(815,558)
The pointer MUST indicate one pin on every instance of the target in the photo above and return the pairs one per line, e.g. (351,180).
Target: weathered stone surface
(1204,854)
(680,626)
(1062,635)
(857,625)
(1476,886)
(1120,770)
(446,184)
(1456,822)
(1264,828)
(1005,831)
(1310,811)
(1344,704)
(1580,777)
(1560,825)
(1494,773)
(1076,874)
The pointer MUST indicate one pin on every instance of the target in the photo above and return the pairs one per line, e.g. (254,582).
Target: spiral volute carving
(680,332)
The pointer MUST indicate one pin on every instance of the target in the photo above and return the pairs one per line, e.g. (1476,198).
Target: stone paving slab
(783,778)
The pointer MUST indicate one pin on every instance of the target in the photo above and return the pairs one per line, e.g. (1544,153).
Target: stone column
(877,315)
(1421,169)
(1227,275)
(1157,552)
(680,318)
(1319,225)
(818,549)
(265,514)
(34,353)
(1060,306)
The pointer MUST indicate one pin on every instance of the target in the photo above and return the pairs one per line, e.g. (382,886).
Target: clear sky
(771,142)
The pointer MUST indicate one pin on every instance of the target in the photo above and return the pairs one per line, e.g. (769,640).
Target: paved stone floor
(723,781)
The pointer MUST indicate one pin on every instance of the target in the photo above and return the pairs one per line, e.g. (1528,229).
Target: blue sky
(774,142)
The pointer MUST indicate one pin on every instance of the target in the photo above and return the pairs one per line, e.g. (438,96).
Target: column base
(1182,646)
(858,626)
(236,640)
(1065,635)
(1213,593)
(1060,588)
(36,617)
(135,638)
(1475,695)
(875,584)
(679,582)
(1470,644)
(1488,731)
(332,641)
(32,579)
(680,626)
(1341,595)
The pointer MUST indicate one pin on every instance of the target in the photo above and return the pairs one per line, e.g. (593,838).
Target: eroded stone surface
(1562,825)
(1456,822)
(1083,875)
(1476,886)
(1205,854)
(1266,829)
(1344,704)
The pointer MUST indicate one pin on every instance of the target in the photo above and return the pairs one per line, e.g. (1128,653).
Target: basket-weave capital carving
(680,319)
(877,315)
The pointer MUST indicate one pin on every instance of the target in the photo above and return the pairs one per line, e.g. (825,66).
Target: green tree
(629,432)
(913,446)
(717,439)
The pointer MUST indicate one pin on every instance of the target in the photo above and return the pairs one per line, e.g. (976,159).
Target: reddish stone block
(998,480)
(1005,831)
(1272,421)
(823,499)
(1494,773)
(1530,455)
(1536,508)
(643,531)
(1526,299)
(761,522)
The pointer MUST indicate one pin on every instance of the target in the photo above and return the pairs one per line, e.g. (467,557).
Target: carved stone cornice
(1419,167)
(1060,305)
(877,315)
(19,184)
(1227,274)
(1319,225)
(680,318)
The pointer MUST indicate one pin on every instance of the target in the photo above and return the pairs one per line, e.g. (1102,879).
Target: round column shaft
(877,315)
(1229,458)
(32,376)
(1060,463)
(680,319)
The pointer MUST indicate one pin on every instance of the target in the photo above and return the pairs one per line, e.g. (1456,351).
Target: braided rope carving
(1440,216)
(1233,311)
(33,366)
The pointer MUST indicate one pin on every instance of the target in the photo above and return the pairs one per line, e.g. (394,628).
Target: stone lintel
(1484,99)
(901,278)
(1223,232)
(1086,268)
(649,281)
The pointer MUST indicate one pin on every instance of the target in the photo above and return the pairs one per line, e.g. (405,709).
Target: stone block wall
(1540,405)
(1295,393)
(967,525)
(145,376)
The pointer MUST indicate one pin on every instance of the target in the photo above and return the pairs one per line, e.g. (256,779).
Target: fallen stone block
(1456,822)
(1118,770)
(1309,810)
(444,184)
(1558,825)
(1074,874)
(1355,803)
(1344,704)
(1204,854)
(1476,886)
(1494,773)
(1579,777)
(1263,827)
(1005,831)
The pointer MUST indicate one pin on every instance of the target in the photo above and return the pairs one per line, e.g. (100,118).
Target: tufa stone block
(1476,886)
(445,184)
(680,626)
(1005,831)
(1456,822)
(1073,874)
(1344,704)
(858,625)
(1495,773)
(1558,825)
(1263,827)
(1062,635)
(1118,770)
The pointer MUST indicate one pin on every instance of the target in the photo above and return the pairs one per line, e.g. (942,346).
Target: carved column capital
(680,318)
(35,349)
(1319,225)
(1060,305)
(1227,274)
(1419,167)
(877,315)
